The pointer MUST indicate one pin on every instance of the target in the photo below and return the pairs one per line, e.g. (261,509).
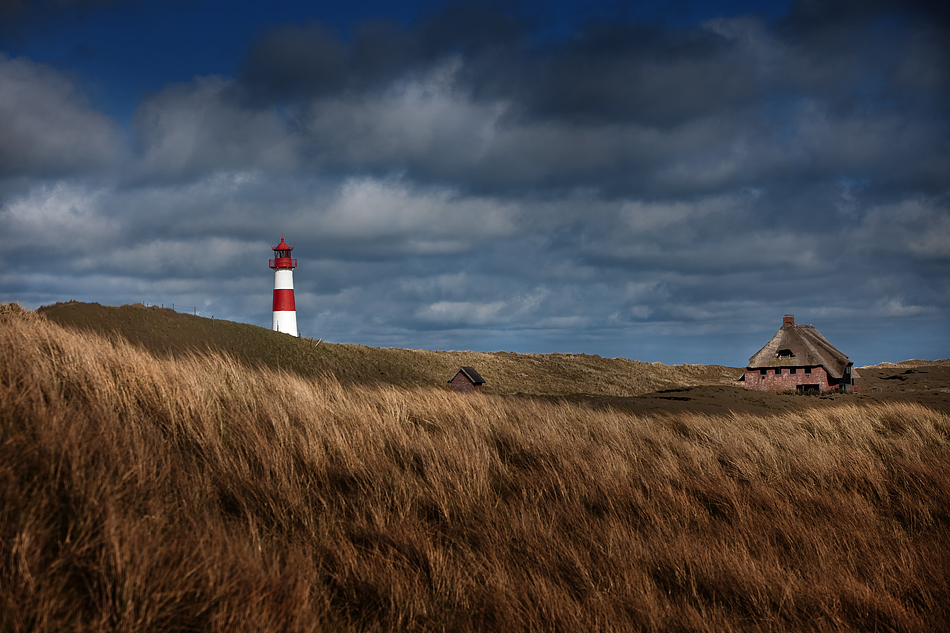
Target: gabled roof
(471,374)
(808,348)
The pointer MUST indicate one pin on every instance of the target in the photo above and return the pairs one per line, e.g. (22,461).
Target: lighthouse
(285,314)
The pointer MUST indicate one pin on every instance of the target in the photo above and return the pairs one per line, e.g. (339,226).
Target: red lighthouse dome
(282,257)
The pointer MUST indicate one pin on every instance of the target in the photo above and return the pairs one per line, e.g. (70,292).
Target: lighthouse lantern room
(285,313)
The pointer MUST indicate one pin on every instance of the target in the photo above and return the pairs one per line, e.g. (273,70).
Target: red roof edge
(282,246)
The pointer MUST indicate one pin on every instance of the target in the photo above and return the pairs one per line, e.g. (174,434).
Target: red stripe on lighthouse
(284,300)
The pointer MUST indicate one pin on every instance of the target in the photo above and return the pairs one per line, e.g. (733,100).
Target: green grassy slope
(168,333)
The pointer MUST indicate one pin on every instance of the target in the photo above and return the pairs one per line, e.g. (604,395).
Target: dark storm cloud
(618,73)
(870,55)
(293,62)
(46,126)
(622,108)
(813,16)
(608,72)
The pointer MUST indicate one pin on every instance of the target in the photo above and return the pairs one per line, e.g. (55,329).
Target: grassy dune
(188,492)
(166,333)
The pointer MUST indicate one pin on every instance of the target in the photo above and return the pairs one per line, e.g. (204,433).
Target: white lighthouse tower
(285,313)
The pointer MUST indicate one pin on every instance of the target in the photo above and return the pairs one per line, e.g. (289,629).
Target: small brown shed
(466,379)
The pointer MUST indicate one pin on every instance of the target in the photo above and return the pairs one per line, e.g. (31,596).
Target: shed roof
(807,348)
(471,374)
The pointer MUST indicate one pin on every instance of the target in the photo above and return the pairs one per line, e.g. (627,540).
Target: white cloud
(420,220)
(886,307)
(895,307)
(188,130)
(648,217)
(206,255)
(417,119)
(642,291)
(458,313)
(57,218)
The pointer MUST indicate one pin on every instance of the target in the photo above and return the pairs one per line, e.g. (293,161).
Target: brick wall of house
(786,380)
(462,383)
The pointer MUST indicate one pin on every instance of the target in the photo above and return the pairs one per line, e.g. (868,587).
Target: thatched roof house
(799,357)
(467,379)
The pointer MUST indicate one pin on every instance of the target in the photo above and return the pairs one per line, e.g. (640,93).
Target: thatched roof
(800,346)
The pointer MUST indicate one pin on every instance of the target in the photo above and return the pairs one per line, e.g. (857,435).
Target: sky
(657,181)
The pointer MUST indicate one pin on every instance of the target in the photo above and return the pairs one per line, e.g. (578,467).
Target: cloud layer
(656,191)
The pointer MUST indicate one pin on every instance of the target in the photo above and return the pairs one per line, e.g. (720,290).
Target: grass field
(167,489)
(165,333)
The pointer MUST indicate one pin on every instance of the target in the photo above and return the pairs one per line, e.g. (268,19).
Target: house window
(785,353)
(778,372)
(763,372)
(808,370)
(793,370)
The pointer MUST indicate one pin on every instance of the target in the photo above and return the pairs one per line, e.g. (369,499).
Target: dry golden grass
(194,494)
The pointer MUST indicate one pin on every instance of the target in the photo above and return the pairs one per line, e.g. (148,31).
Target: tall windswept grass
(193,494)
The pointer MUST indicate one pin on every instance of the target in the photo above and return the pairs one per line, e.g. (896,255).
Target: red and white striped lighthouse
(285,314)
